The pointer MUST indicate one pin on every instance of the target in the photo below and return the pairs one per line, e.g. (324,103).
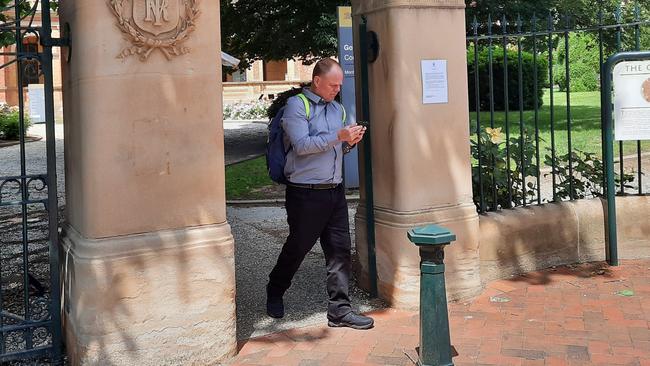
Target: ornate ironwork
(30,325)
(11,190)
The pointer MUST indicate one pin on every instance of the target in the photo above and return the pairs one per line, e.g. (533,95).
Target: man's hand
(359,138)
(351,134)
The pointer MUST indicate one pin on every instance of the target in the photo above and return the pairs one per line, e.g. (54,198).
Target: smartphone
(363,123)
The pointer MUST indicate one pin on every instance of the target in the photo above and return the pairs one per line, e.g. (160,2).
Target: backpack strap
(306,103)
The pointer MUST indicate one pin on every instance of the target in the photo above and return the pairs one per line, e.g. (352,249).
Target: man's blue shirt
(315,154)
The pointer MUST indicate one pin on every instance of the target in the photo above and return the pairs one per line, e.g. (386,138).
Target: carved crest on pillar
(151,25)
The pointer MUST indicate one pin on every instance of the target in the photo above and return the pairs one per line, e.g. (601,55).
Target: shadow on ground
(259,235)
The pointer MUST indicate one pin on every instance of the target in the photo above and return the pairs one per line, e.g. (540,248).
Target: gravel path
(35,158)
(244,140)
(259,234)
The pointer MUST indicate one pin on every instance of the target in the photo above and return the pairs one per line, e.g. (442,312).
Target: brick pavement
(587,314)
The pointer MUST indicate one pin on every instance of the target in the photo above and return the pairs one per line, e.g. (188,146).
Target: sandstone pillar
(147,254)
(421,153)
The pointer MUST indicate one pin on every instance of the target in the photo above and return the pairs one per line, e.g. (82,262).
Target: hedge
(513,79)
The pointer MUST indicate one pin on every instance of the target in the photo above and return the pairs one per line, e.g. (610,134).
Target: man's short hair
(324,66)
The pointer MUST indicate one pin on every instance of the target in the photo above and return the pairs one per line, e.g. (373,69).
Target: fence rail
(536,132)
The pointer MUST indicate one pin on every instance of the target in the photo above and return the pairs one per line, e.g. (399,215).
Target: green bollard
(435,342)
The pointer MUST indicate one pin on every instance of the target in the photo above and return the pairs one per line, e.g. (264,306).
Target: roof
(228,60)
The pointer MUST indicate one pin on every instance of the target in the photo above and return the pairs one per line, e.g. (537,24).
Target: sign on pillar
(435,89)
(346,59)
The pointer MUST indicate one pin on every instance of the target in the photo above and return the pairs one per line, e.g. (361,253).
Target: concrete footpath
(587,314)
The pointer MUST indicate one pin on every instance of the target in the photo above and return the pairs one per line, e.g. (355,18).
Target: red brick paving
(573,315)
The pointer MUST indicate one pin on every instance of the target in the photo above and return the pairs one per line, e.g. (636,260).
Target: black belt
(314,186)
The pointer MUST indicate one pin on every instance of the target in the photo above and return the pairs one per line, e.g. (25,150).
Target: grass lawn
(585,124)
(250,180)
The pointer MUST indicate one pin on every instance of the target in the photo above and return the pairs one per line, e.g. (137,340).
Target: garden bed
(7,143)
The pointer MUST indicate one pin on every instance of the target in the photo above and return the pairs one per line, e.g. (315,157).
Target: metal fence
(534,138)
(30,325)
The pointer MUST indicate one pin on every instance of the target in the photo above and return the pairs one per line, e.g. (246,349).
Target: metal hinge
(59,42)
(56,42)
(64,42)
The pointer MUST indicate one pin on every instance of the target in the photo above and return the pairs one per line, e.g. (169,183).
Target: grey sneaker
(353,320)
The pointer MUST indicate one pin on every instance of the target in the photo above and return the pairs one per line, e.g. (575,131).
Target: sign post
(631,77)
(346,59)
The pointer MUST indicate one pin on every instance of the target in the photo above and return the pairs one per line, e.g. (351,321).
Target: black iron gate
(30,324)
(530,150)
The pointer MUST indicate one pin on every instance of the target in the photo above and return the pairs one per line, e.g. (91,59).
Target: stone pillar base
(398,260)
(162,298)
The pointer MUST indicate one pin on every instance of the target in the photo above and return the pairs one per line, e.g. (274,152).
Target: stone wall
(537,237)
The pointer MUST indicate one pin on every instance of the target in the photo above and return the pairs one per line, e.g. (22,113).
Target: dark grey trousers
(313,214)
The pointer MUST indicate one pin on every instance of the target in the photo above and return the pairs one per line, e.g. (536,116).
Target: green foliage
(629,34)
(645,38)
(528,81)
(25,8)
(587,178)
(279,29)
(563,14)
(499,173)
(10,123)
(584,60)
(582,12)
(7,37)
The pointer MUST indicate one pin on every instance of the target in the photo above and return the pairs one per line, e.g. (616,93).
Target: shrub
(251,110)
(10,122)
(528,81)
(586,179)
(495,172)
(584,68)
(588,175)
(645,37)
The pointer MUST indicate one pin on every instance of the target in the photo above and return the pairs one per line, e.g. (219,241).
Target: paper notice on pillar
(434,82)
(632,100)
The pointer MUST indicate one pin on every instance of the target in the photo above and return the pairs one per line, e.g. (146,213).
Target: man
(315,197)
